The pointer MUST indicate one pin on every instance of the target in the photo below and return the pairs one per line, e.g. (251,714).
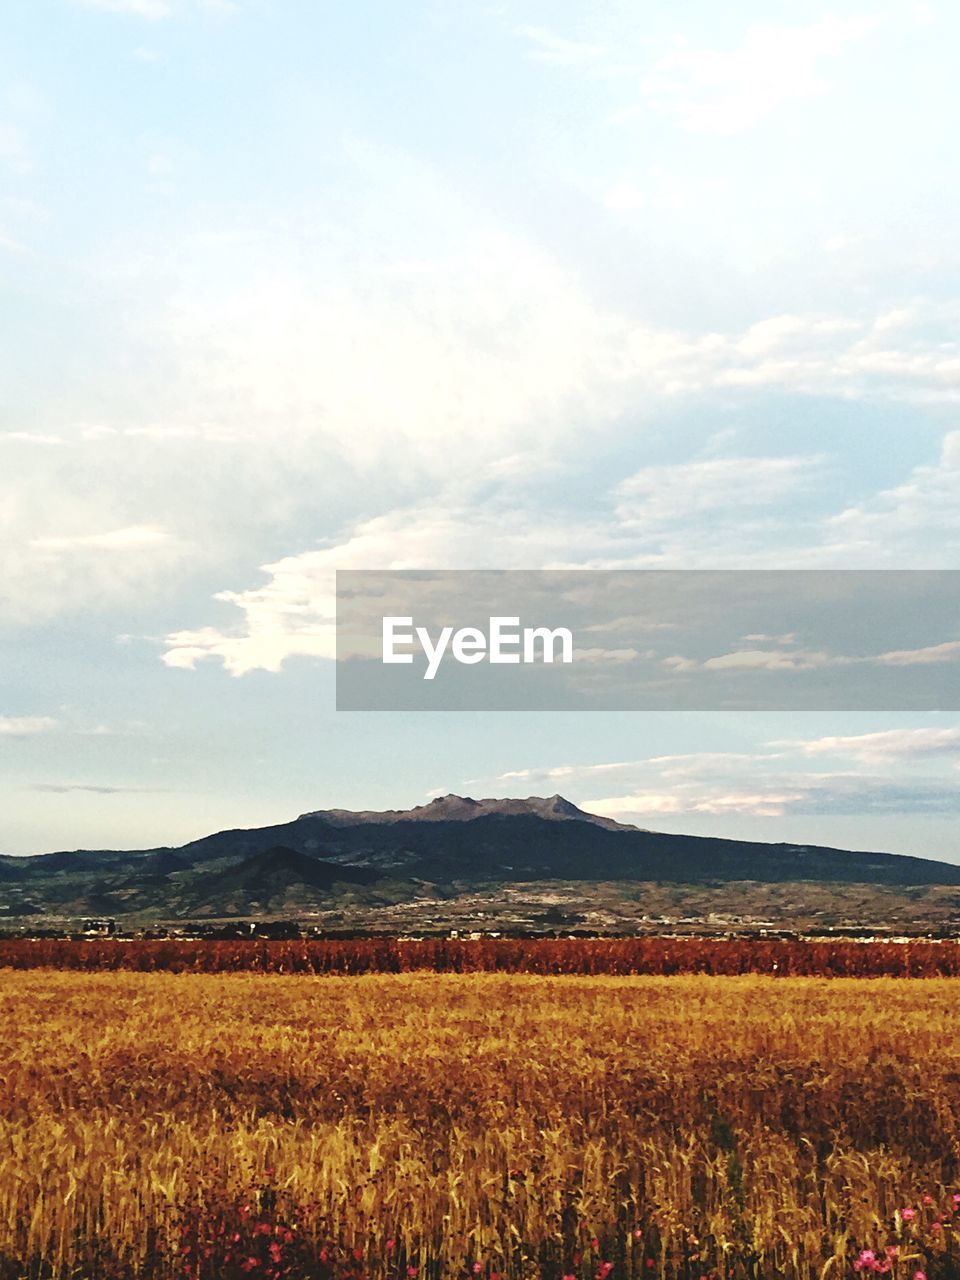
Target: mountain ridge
(454,808)
(448,848)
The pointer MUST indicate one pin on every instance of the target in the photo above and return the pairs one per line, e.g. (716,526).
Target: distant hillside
(453,846)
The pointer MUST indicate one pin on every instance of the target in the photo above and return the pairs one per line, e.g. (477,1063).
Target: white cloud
(916,524)
(566,772)
(293,613)
(607,656)
(546,46)
(444,370)
(930,655)
(10,245)
(158,10)
(674,493)
(665,191)
(42,438)
(11,142)
(153,10)
(26,726)
(755,804)
(796,659)
(772,780)
(760,637)
(776,795)
(137,537)
(728,91)
(15,152)
(771,660)
(493,340)
(100,789)
(848,356)
(54,559)
(888,744)
(702,512)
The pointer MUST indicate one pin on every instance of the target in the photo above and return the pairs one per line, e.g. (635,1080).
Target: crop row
(655,956)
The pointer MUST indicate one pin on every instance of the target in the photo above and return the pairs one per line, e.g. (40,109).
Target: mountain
(452,808)
(278,881)
(340,866)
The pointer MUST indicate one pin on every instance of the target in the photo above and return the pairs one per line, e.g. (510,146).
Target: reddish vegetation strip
(657,956)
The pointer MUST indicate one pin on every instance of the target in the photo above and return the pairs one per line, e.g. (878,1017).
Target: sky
(289,288)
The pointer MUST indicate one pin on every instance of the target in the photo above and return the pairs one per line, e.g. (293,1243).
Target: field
(484,1124)
(654,956)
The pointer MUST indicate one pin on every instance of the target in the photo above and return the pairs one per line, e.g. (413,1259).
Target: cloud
(756,804)
(796,659)
(41,438)
(293,613)
(676,492)
(889,744)
(9,245)
(546,46)
(664,517)
(904,522)
(770,660)
(443,354)
(26,726)
(604,657)
(729,91)
(779,795)
(488,400)
(153,10)
(478,343)
(62,788)
(927,656)
(132,538)
(773,780)
(61,553)
(567,772)
(159,10)
(437,357)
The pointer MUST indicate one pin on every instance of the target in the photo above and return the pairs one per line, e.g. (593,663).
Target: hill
(333,864)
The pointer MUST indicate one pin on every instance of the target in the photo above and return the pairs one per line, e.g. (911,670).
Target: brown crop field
(477,1125)
(657,956)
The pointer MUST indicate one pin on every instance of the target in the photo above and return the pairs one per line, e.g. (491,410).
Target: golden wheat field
(434,1125)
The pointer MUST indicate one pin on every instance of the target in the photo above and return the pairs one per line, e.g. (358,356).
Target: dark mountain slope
(452,845)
